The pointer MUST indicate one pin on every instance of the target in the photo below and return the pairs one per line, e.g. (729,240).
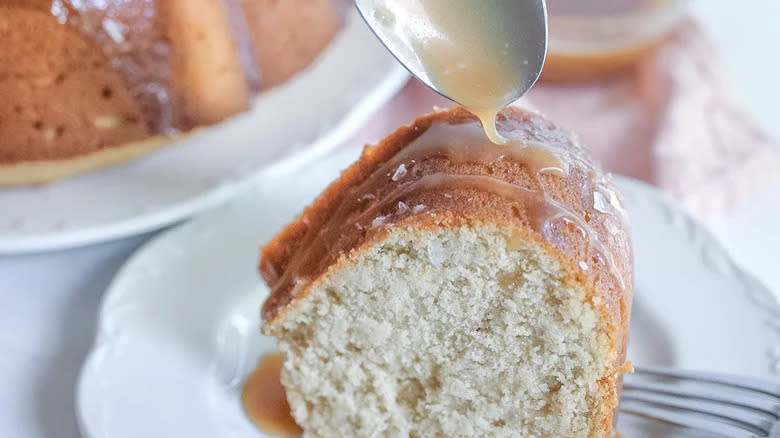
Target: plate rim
(770,305)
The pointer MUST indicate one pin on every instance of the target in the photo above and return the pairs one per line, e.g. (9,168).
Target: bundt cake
(445,286)
(90,83)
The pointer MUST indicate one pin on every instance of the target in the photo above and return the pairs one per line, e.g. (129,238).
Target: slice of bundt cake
(447,286)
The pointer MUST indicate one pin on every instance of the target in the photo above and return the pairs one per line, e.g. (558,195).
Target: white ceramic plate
(314,112)
(179,327)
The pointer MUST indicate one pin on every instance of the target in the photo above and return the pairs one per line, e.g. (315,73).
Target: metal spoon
(473,26)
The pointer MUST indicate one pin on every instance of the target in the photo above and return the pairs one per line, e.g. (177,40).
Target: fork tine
(752,384)
(685,419)
(767,407)
(749,420)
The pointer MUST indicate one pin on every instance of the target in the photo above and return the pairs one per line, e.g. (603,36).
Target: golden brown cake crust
(296,258)
(65,104)
(61,98)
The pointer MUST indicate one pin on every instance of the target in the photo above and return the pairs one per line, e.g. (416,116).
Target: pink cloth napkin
(672,121)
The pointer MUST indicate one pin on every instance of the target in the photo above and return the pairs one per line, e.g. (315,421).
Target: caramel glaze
(438,172)
(265,400)
(470,53)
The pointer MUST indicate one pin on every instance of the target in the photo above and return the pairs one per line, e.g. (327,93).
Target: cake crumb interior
(458,332)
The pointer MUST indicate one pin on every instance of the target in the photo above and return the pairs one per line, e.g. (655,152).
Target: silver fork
(724,405)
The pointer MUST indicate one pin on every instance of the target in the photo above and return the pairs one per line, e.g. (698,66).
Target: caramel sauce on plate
(265,400)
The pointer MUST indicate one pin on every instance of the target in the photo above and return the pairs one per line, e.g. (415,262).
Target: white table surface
(48,302)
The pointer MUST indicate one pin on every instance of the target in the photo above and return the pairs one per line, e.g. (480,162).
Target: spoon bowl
(504,36)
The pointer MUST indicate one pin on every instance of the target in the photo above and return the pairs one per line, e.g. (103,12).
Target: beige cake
(447,287)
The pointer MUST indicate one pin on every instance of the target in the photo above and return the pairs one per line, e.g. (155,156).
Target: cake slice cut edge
(450,314)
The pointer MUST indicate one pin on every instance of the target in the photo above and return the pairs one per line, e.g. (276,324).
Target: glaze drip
(469,51)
